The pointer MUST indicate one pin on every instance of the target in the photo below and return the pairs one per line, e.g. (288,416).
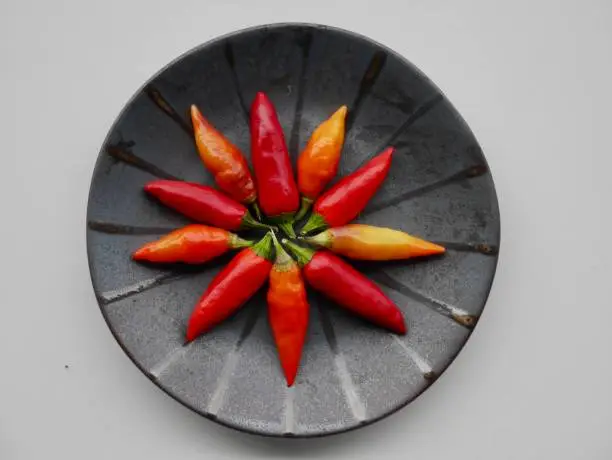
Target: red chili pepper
(318,162)
(287,311)
(203,204)
(223,159)
(367,242)
(193,244)
(347,287)
(232,287)
(345,200)
(278,194)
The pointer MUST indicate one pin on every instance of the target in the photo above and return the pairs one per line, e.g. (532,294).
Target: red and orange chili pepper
(287,311)
(203,204)
(367,242)
(345,200)
(343,284)
(232,287)
(193,244)
(223,159)
(278,195)
(318,162)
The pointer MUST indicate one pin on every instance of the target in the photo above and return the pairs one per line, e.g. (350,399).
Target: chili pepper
(287,311)
(232,287)
(318,163)
(223,159)
(345,200)
(277,191)
(373,243)
(339,281)
(203,204)
(193,244)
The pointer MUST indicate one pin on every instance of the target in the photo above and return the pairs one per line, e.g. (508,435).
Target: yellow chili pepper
(367,242)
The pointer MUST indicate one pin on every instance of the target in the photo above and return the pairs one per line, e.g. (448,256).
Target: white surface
(533,80)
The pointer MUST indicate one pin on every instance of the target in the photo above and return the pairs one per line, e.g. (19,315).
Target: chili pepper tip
(341,112)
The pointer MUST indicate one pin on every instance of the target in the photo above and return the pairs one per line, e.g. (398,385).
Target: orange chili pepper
(367,242)
(193,244)
(223,159)
(287,311)
(318,162)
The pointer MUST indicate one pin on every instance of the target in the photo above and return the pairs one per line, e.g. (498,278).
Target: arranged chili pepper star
(221,213)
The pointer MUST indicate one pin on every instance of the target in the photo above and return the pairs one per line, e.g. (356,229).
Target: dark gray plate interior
(439,188)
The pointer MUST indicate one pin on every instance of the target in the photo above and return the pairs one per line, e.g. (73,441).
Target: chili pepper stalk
(318,162)
(278,195)
(347,287)
(232,287)
(367,242)
(193,244)
(203,204)
(287,311)
(345,200)
(223,159)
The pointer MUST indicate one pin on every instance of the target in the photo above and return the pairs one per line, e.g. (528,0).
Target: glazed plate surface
(439,188)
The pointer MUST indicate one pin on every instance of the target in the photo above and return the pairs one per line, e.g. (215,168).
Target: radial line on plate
(468,173)
(157,370)
(290,410)
(121,152)
(160,102)
(123,229)
(352,397)
(114,295)
(218,397)
(420,362)
(459,315)
(373,71)
(305,44)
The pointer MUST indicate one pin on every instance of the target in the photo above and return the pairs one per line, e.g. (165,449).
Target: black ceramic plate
(439,188)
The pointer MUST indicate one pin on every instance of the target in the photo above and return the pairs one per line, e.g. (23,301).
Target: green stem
(249,222)
(263,248)
(321,240)
(314,222)
(257,210)
(287,227)
(306,203)
(285,223)
(236,242)
(301,254)
(282,258)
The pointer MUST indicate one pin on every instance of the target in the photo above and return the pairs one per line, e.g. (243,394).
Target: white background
(532,79)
